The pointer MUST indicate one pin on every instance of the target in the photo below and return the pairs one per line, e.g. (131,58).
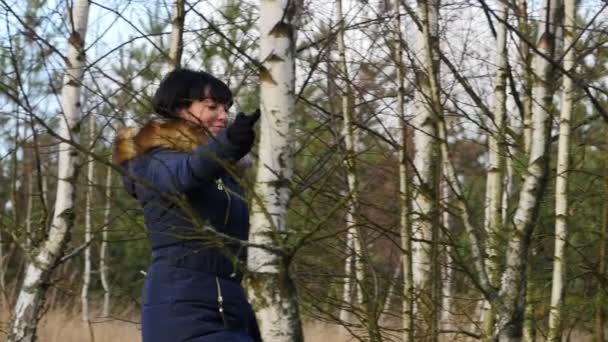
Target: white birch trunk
(26,313)
(352,266)
(513,287)
(350,142)
(523,26)
(272,291)
(447,270)
(561,186)
(405,229)
(177,32)
(508,184)
(28,210)
(496,152)
(347,295)
(86,272)
(103,248)
(425,218)
(390,292)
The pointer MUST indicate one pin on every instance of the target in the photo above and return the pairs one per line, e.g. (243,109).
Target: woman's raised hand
(241,132)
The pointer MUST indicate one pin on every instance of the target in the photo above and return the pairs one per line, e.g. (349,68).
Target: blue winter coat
(192,290)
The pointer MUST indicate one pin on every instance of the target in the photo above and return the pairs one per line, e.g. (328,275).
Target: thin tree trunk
(447,273)
(508,184)
(26,312)
(425,221)
(272,291)
(561,186)
(103,248)
(347,292)
(513,287)
(496,149)
(529,331)
(15,170)
(405,228)
(350,142)
(523,26)
(28,209)
(390,292)
(86,273)
(177,32)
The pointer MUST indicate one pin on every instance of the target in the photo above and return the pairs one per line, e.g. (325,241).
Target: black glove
(240,132)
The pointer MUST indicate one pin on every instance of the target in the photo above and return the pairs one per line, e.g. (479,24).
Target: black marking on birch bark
(265,76)
(281,29)
(275,58)
(72,83)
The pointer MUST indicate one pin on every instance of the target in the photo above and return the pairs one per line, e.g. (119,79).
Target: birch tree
(26,313)
(561,186)
(177,33)
(405,229)
(86,272)
(425,218)
(496,152)
(103,248)
(350,142)
(272,291)
(513,287)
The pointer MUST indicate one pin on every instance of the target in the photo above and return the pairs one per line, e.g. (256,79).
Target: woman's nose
(222,114)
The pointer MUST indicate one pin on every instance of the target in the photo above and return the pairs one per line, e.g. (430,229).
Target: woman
(182,170)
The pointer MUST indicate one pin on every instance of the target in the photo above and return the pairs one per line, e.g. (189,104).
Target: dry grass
(63,325)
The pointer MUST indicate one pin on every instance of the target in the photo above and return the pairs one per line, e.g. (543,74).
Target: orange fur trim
(176,135)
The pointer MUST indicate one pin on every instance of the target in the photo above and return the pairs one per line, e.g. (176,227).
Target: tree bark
(272,291)
(176,49)
(425,218)
(561,186)
(350,143)
(513,287)
(86,272)
(405,228)
(523,26)
(103,248)
(496,152)
(26,312)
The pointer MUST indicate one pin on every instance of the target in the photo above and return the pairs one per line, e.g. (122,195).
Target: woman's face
(207,113)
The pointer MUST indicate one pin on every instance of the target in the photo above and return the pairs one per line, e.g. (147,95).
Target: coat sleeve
(172,171)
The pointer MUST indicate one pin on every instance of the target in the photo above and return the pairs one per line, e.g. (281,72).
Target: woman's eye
(212,107)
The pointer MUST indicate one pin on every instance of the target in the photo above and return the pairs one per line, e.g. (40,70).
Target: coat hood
(178,135)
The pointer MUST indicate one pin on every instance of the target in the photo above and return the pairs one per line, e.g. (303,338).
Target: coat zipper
(222,186)
(220,302)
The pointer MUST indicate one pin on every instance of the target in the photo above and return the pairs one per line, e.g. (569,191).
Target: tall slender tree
(496,151)
(513,286)
(272,291)
(561,186)
(350,142)
(425,218)
(26,312)
(88,211)
(405,229)
(178,18)
(103,248)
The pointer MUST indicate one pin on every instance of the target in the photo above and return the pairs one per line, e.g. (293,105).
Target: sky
(113,23)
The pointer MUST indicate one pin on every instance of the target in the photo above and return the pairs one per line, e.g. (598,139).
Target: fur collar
(177,135)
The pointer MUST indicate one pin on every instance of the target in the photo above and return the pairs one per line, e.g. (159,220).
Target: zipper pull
(220,302)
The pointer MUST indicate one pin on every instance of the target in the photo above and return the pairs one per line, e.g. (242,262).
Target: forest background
(448,177)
